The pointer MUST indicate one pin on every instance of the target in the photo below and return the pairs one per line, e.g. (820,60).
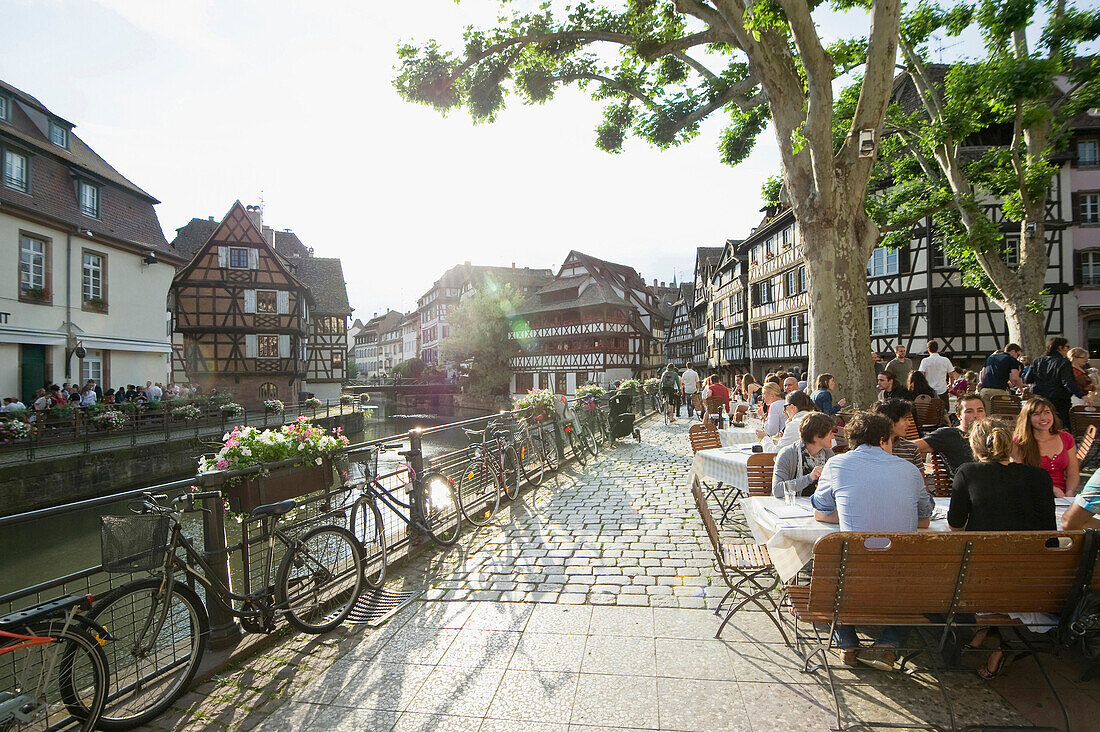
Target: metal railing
(52,436)
(241,561)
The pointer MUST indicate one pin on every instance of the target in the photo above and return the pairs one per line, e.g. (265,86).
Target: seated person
(889,388)
(714,391)
(798,406)
(995,494)
(1086,504)
(772,410)
(868,489)
(799,465)
(1042,443)
(952,442)
(823,396)
(900,414)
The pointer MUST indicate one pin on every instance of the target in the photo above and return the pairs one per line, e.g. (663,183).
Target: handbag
(1079,626)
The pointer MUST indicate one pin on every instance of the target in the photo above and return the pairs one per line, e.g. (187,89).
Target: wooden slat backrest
(1004,405)
(1007,571)
(911,431)
(708,519)
(714,405)
(760,468)
(1081,417)
(1087,443)
(703,438)
(928,411)
(742,410)
(941,480)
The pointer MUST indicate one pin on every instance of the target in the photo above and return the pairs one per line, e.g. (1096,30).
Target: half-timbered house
(680,335)
(240,317)
(596,322)
(728,313)
(706,261)
(326,349)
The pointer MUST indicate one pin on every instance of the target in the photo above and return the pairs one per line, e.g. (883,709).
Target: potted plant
(346,399)
(186,413)
(312,403)
(222,397)
(36,293)
(246,446)
(231,409)
(590,391)
(12,430)
(110,420)
(650,385)
(538,402)
(156,406)
(62,411)
(96,303)
(273,406)
(128,407)
(630,386)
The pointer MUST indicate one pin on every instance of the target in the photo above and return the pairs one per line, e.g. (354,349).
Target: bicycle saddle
(274,509)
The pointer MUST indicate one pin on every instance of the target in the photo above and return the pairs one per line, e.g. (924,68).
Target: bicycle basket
(133,543)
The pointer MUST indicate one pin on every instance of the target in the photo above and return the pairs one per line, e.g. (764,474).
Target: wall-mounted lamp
(920,307)
(149,258)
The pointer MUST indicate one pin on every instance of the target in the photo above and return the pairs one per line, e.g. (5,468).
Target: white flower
(317,461)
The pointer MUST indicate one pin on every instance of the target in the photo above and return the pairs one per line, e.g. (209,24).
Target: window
(1090,269)
(883,262)
(884,319)
(89,199)
(939,259)
(16,171)
(91,367)
(238,258)
(544,381)
(803,283)
(5,108)
(765,289)
(796,328)
(269,391)
(524,383)
(337,360)
(582,378)
(1011,252)
(59,135)
(776,333)
(267,301)
(267,346)
(1090,208)
(32,267)
(1088,153)
(93,275)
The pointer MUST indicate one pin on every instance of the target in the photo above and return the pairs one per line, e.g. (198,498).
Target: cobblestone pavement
(582,608)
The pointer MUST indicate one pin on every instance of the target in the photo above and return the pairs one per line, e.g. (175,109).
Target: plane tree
(661,67)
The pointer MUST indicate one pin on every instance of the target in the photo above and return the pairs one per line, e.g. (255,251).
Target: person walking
(1051,377)
(670,387)
(900,367)
(689,385)
(939,371)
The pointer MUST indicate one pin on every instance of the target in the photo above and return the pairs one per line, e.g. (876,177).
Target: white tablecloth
(737,436)
(727,464)
(790,541)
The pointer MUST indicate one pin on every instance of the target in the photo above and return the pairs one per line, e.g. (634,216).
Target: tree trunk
(1025,328)
(836,252)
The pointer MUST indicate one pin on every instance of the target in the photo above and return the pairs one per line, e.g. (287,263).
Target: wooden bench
(1081,418)
(1086,447)
(941,482)
(856,578)
(928,413)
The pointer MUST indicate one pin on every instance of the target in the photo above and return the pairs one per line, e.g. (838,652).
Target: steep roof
(597,293)
(706,257)
(125,211)
(193,235)
(324,276)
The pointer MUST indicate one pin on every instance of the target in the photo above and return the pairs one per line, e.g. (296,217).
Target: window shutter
(223,257)
(253,258)
(284,346)
(754,292)
(250,345)
(903,317)
(1078,279)
(284,301)
(903,260)
(250,301)
(787,284)
(1075,202)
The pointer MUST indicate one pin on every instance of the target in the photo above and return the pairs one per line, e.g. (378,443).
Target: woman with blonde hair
(1079,359)
(772,409)
(994,494)
(1040,441)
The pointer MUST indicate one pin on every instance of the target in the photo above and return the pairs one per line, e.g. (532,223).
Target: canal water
(38,551)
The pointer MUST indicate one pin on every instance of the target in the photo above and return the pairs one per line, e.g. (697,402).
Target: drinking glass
(789,494)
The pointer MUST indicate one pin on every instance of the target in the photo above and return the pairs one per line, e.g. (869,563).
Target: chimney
(256,214)
(662,284)
(209,218)
(513,265)
(654,281)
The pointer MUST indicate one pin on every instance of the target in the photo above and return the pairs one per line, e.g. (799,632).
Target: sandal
(988,673)
(978,641)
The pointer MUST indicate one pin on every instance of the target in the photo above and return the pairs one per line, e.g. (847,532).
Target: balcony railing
(778,262)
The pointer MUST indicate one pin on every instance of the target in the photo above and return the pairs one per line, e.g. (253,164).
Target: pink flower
(222,464)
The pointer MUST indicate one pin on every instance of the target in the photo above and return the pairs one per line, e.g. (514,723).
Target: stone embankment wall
(51,481)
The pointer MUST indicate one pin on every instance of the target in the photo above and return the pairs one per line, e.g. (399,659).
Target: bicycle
(580,436)
(595,418)
(436,502)
(664,406)
(52,667)
(162,625)
(531,458)
(493,465)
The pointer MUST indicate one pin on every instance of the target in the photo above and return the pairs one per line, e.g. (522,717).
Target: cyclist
(670,387)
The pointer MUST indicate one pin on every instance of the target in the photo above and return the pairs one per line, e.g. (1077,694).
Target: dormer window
(88,195)
(5,108)
(59,135)
(16,172)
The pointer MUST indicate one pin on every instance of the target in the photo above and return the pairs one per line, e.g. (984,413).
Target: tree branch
(819,77)
(613,83)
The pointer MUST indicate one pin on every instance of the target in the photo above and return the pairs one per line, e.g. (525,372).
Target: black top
(996,371)
(952,444)
(1052,377)
(995,497)
(900,393)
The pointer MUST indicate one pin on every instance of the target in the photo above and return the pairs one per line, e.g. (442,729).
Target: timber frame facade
(596,322)
(240,317)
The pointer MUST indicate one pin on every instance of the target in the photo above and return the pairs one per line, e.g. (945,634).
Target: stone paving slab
(606,626)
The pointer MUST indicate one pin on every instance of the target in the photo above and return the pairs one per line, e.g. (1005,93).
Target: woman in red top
(1040,441)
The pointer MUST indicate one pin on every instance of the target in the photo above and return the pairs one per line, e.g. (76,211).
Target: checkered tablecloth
(737,436)
(727,464)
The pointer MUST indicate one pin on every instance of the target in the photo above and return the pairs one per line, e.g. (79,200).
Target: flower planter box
(278,486)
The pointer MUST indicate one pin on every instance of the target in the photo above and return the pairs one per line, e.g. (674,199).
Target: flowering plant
(312,403)
(541,402)
(651,383)
(590,390)
(110,420)
(274,406)
(628,384)
(188,412)
(346,399)
(245,446)
(14,429)
(231,409)
(222,397)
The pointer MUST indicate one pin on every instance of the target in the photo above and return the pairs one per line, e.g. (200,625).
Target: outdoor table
(737,436)
(730,465)
(791,532)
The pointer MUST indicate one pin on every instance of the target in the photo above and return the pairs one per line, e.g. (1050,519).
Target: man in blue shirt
(1001,370)
(869,489)
(1086,504)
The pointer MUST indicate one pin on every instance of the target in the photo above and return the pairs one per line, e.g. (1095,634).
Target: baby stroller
(621,417)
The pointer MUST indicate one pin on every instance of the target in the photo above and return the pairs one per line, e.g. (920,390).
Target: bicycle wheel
(530,461)
(320,579)
(367,526)
(148,673)
(576,448)
(589,441)
(441,512)
(478,492)
(549,451)
(54,683)
(511,472)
